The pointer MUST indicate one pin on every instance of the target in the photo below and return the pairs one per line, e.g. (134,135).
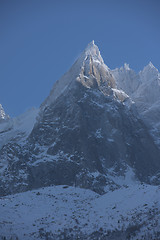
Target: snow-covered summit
(144,89)
(149,88)
(126,79)
(151,65)
(150,68)
(149,73)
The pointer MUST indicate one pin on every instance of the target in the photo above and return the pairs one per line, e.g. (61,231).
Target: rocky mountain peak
(93,51)
(126,67)
(151,65)
(3,115)
(88,70)
(149,73)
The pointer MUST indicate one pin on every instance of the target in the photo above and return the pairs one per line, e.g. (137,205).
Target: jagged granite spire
(93,51)
(3,115)
(88,70)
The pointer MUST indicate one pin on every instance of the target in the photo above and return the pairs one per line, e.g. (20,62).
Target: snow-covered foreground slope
(59,212)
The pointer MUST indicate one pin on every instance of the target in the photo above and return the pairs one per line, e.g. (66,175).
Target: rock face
(3,115)
(87,134)
(144,89)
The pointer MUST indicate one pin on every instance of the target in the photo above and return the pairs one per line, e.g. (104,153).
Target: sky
(41,39)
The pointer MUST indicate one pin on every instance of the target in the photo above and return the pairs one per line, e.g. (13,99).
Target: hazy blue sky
(40,40)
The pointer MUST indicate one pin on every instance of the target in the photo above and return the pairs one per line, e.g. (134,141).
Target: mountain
(144,89)
(13,133)
(86,164)
(126,79)
(87,134)
(3,115)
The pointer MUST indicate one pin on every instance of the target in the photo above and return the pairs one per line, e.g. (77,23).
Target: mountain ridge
(86,163)
(85,128)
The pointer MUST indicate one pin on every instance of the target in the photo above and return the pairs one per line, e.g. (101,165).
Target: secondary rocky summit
(88,133)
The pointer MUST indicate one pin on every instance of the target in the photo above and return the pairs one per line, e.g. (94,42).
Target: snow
(5,125)
(126,79)
(110,139)
(93,50)
(22,124)
(57,208)
(3,116)
(128,179)
(51,207)
(98,133)
(97,104)
(26,121)
(148,73)
(126,67)
(120,94)
(143,90)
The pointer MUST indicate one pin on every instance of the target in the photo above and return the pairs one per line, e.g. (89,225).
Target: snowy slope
(58,211)
(22,124)
(15,131)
